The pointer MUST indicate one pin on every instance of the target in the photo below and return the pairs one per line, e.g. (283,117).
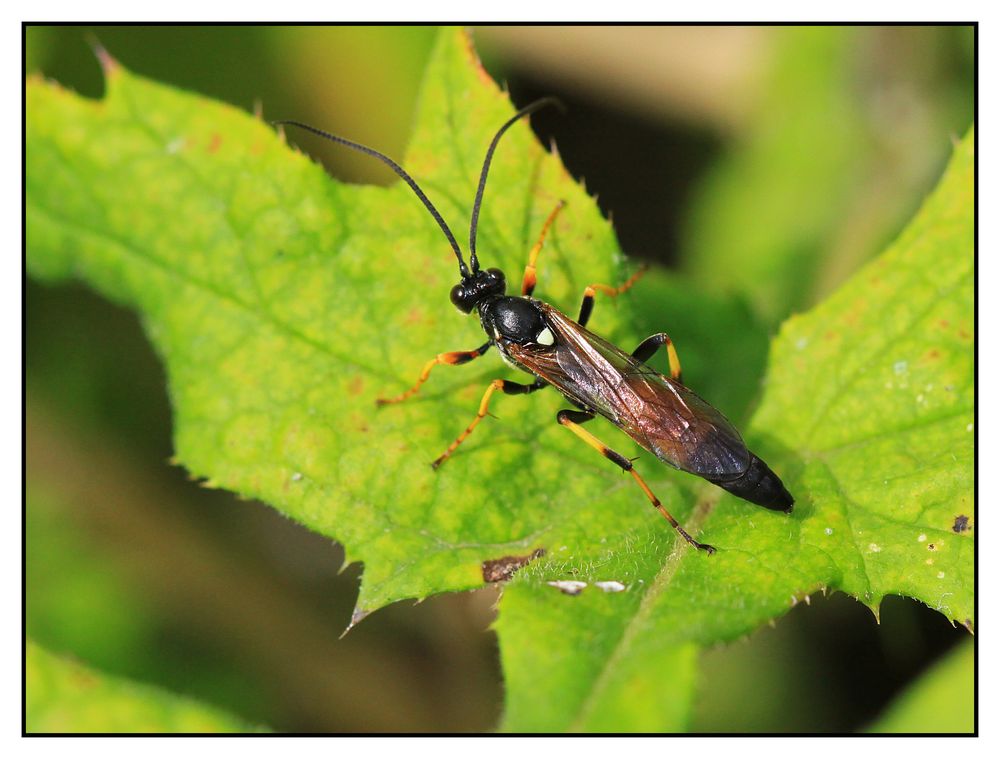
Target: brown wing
(662,415)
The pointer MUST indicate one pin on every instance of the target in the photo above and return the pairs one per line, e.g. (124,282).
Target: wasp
(657,411)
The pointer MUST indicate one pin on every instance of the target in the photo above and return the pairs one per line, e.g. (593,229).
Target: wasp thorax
(516,319)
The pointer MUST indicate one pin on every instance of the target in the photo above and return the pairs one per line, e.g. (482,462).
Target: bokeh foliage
(941,701)
(840,143)
(63,696)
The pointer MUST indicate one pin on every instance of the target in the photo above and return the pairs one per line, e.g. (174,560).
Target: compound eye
(460,299)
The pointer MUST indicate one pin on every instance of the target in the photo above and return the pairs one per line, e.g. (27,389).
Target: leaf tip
(109,65)
(356,616)
(469,46)
(875,606)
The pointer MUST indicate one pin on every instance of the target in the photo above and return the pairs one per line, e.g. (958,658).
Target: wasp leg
(588,295)
(573,420)
(452,359)
(509,388)
(648,347)
(528,283)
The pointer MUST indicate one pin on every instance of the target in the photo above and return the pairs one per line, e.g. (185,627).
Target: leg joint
(620,460)
(568,417)
(516,388)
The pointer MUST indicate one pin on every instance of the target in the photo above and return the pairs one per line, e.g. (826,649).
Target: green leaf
(941,701)
(283,304)
(64,696)
(867,415)
(872,396)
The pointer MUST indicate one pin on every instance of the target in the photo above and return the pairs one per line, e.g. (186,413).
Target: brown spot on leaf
(215,142)
(356,385)
(414,316)
(84,679)
(961,523)
(502,569)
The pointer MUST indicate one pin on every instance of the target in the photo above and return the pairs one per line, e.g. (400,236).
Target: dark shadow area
(646,201)
(825,667)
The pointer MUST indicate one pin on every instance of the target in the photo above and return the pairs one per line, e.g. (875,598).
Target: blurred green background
(766,161)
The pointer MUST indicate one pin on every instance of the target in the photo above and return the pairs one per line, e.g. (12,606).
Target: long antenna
(473,227)
(401,173)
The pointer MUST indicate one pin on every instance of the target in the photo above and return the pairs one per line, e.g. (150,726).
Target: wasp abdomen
(758,484)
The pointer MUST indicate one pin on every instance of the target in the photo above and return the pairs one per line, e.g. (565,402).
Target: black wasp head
(478,287)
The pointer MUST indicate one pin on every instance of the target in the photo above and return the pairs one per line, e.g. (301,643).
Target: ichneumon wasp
(659,412)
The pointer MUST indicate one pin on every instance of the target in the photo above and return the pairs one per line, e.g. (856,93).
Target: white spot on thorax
(545,337)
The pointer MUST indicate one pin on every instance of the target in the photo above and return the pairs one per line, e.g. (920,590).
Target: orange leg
(573,419)
(451,359)
(509,388)
(588,295)
(528,284)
